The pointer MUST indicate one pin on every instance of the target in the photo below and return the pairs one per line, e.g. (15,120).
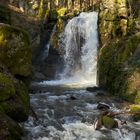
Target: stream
(69,114)
(64,108)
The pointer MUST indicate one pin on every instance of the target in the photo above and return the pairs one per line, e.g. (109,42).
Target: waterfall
(45,51)
(79,42)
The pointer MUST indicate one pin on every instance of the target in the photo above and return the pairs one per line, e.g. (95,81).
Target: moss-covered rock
(61,12)
(9,129)
(15,51)
(119,67)
(7,89)
(17,107)
(53,15)
(135,109)
(108,122)
(113,18)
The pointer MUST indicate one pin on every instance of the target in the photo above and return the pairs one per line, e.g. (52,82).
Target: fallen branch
(111,114)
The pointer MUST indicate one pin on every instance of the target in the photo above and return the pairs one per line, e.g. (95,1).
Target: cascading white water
(47,46)
(79,42)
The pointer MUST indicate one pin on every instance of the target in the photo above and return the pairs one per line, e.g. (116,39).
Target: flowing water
(80,41)
(64,108)
(69,115)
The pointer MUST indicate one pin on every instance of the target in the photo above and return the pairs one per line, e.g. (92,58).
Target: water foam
(80,41)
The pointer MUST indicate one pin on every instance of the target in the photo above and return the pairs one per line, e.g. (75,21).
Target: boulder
(108,122)
(93,89)
(7,89)
(17,107)
(105,121)
(135,109)
(103,106)
(15,51)
(9,129)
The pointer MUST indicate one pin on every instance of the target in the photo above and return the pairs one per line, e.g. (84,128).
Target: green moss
(15,51)
(6,87)
(1,110)
(118,1)
(61,12)
(129,48)
(23,94)
(60,25)
(17,107)
(135,109)
(114,71)
(108,122)
(108,15)
(137,98)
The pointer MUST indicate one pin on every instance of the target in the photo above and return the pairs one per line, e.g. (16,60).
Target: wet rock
(105,121)
(57,125)
(73,98)
(93,89)
(9,129)
(103,106)
(101,93)
(39,75)
(109,122)
(17,106)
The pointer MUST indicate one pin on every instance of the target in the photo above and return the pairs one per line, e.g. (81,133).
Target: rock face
(15,52)
(113,18)
(7,89)
(119,70)
(15,68)
(9,129)
(17,106)
(15,60)
(119,67)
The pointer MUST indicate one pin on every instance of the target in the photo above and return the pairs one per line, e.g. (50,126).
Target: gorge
(60,59)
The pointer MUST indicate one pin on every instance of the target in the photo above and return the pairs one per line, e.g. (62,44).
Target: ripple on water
(72,121)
